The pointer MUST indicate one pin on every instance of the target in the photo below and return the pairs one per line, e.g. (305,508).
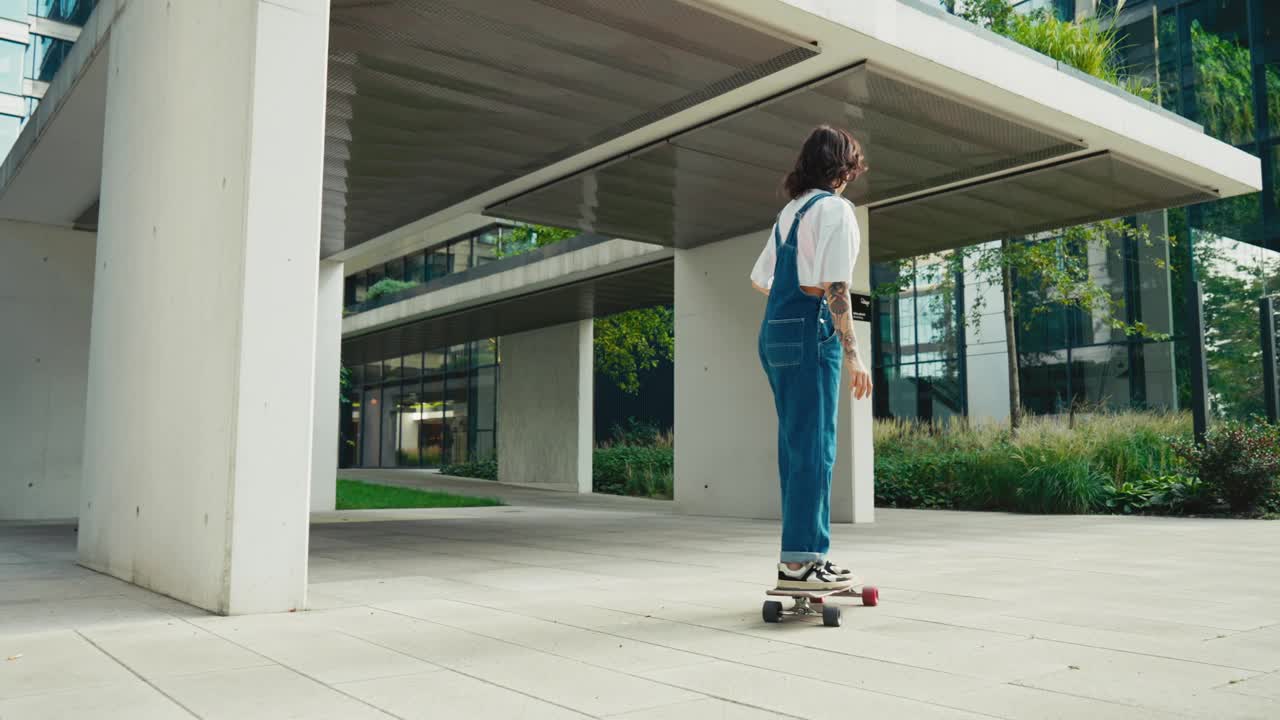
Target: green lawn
(356,495)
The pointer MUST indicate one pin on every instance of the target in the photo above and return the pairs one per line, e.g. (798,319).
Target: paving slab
(564,608)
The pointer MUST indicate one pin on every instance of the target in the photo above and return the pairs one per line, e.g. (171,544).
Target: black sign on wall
(861,307)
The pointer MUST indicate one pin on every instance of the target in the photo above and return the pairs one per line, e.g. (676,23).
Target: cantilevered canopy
(672,121)
(945,172)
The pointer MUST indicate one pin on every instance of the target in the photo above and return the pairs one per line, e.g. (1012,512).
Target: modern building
(1215,63)
(35,37)
(182,209)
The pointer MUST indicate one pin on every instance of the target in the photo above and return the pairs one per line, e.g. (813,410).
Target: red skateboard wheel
(870,595)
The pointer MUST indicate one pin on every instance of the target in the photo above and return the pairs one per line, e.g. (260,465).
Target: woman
(806,335)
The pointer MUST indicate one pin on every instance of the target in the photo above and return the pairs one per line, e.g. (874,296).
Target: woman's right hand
(859,379)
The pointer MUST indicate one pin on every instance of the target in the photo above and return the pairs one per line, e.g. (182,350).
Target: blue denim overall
(802,358)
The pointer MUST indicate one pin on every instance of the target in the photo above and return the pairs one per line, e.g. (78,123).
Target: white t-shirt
(827,242)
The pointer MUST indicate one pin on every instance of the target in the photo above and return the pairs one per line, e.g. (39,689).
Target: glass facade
(39,59)
(11,67)
(918,361)
(71,12)
(1216,62)
(424,410)
(45,55)
(13,9)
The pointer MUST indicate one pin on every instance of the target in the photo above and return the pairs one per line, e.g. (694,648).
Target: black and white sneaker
(809,576)
(840,572)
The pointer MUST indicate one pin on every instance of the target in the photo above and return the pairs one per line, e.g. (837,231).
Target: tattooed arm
(842,316)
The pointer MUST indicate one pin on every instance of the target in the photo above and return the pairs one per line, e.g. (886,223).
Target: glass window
(484,406)
(11,54)
(486,247)
(462,255)
(395,269)
(438,263)
(415,268)
(45,56)
(13,10)
(371,416)
(391,412)
(373,275)
(349,291)
(409,426)
(72,12)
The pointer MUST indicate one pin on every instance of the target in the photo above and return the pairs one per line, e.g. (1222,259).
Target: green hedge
(1047,468)
(618,470)
(634,470)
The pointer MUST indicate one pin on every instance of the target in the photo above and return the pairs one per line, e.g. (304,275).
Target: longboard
(773,611)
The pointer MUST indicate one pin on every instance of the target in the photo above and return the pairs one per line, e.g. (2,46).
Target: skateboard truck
(810,603)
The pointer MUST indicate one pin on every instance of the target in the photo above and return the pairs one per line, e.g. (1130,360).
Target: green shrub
(1164,495)
(387,286)
(1238,462)
(1047,468)
(635,432)
(482,469)
(633,470)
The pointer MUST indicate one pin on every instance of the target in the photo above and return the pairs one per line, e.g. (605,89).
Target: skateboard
(806,600)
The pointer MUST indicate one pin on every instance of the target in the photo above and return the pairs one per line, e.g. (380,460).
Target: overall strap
(795,224)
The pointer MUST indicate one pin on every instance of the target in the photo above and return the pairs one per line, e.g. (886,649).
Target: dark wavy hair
(829,157)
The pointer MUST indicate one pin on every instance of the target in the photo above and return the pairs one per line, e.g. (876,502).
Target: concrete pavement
(539,611)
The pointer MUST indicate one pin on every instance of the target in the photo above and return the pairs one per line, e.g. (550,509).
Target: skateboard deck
(805,600)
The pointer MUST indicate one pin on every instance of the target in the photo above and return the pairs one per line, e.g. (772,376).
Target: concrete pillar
(853,493)
(725,424)
(46,289)
(546,408)
(198,426)
(324,455)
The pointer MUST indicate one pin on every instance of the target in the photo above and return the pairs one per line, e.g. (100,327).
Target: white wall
(546,408)
(201,365)
(324,454)
(725,422)
(46,288)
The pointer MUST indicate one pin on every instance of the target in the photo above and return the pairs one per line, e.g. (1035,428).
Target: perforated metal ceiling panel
(433,101)
(1092,188)
(723,179)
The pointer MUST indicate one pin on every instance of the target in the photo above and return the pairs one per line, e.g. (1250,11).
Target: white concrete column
(853,494)
(198,427)
(46,289)
(546,407)
(324,454)
(726,428)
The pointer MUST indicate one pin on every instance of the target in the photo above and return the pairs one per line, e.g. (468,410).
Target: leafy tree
(1232,273)
(1052,271)
(627,343)
(524,238)
(633,341)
